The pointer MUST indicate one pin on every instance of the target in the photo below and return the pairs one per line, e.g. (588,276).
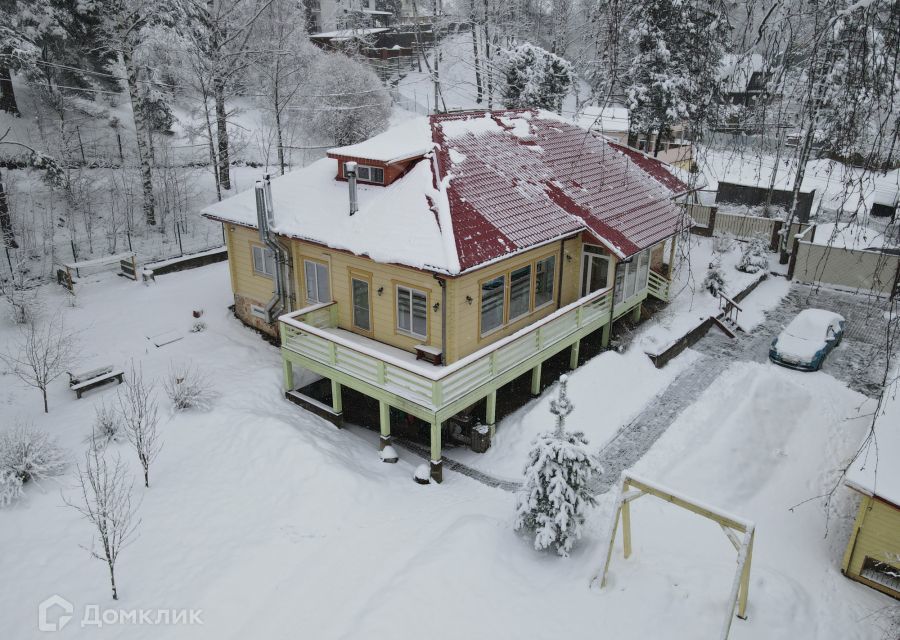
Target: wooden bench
(429,354)
(81,382)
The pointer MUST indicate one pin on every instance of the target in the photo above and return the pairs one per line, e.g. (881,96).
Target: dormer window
(370,174)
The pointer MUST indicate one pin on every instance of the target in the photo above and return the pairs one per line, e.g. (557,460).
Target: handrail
(444,371)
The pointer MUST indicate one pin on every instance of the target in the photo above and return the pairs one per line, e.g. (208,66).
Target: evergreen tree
(556,492)
(535,78)
(673,73)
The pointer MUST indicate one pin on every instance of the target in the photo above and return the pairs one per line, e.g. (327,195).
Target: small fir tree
(753,257)
(556,493)
(714,282)
(535,78)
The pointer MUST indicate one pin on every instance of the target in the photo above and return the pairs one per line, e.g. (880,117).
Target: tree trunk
(143,138)
(7,95)
(277,104)
(222,133)
(6,230)
(112,580)
(44,393)
(488,71)
(473,22)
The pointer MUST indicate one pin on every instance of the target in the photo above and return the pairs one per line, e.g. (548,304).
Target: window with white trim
(412,312)
(519,292)
(370,174)
(362,316)
(544,273)
(493,298)
(318,288)
(631,276)
(263,261)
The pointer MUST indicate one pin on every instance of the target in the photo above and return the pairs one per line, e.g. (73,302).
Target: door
(594,270)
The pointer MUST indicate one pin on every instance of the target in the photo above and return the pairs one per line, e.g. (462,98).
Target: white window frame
(510,317)
(354,307)
(318,268)
(364,173)
(503,311)
(264,257)
(410,292)
(551,260)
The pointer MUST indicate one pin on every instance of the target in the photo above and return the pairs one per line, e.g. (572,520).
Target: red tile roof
(513,186)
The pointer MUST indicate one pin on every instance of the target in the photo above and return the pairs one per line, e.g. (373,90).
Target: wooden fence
(709,221)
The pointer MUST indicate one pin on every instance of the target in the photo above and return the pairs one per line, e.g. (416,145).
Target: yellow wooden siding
(383,306)
(876,535)
(465,334)
(244,280)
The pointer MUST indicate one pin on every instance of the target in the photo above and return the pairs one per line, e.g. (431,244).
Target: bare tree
(41,354)
(106,503)
(139,419)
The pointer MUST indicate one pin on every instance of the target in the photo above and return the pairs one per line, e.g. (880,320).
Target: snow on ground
(851,236)
(837,186)
(616,386)
(274,523)
(690,304)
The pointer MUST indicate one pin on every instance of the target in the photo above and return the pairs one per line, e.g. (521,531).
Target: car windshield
(810,324)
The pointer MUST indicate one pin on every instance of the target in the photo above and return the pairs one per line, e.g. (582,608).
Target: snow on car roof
(811,323)
(875,470)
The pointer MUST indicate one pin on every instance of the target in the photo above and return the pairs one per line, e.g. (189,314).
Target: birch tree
(106,502)
(139,419)
(42,352)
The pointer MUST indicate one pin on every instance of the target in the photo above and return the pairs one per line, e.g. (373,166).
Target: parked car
(805,342)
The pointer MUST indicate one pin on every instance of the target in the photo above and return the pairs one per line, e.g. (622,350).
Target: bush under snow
(754,257)
(27,455)
(107,425)
(556,493)
(714,282)
(188,388)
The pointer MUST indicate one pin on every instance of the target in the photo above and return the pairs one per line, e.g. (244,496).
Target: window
(594,269)
(362,318)
(263,261)
(631,276)
(492,300)
(543,281)
(519,292)
(412,308)
(370,174)
(317,287)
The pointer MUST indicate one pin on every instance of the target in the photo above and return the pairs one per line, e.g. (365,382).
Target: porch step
(728,327)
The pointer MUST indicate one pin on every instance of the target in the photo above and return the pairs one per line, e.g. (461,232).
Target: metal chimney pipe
(261,212)
(350,174)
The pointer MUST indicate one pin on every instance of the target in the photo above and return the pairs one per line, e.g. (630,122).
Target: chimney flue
(350,174)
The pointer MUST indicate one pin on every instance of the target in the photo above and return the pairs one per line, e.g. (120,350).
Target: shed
(873,552)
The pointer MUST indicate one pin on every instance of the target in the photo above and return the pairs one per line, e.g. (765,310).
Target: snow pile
(472,125)
(852,236)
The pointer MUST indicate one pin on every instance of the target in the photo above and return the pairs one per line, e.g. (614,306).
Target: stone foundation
(242,311)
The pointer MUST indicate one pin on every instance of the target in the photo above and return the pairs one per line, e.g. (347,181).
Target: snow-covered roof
(393,223)
(736,71)
(497,183)
(606,120)
(875,471)
(343,34)
(409,139)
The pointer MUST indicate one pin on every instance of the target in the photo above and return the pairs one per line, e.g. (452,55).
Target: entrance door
(594,270)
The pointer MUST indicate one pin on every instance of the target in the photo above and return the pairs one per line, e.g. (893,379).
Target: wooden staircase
(727,317)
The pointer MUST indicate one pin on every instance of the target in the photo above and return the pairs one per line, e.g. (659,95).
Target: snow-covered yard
(277,525)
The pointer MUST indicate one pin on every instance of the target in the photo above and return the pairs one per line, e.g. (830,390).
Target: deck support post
(288,374)
(490,416)
(337,403)
(636,314)
(437,463)
(384,415)
(604,334)
(536,380)
(573,355)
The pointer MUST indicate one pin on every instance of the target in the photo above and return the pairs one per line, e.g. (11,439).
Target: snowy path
(858,362)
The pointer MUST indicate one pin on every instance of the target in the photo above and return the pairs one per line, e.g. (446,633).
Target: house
(429,266)
(873,552)
(745,79)
(611,122)
(331,15)
(675,148)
